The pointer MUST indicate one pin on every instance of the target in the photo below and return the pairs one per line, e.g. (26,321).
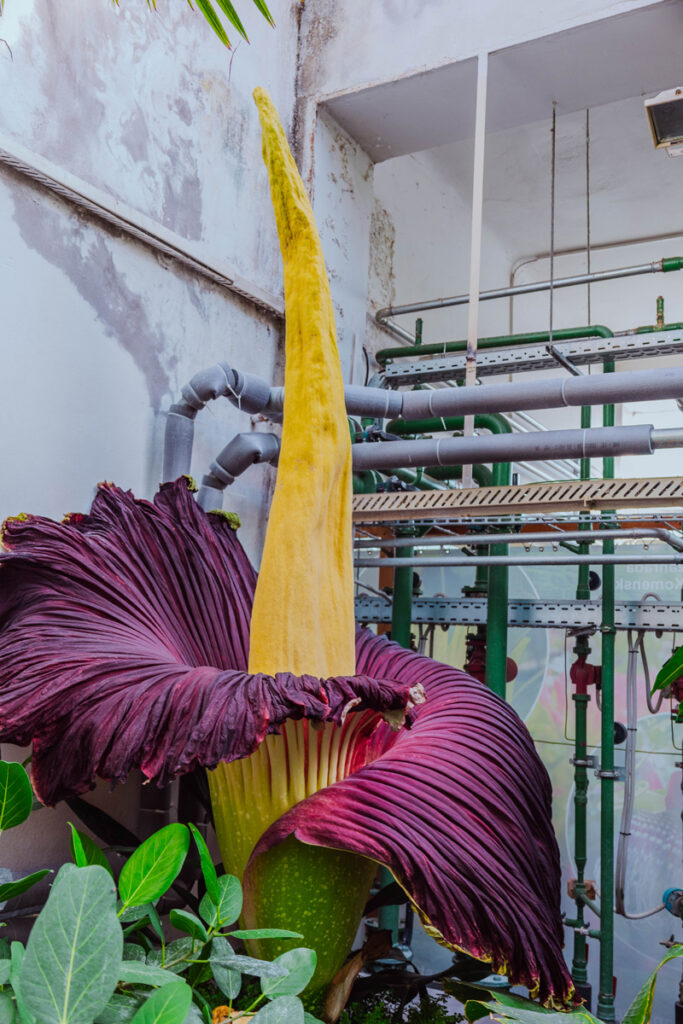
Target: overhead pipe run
(612,441)
(382,316)
(451,561)
(556,393)
(671,537)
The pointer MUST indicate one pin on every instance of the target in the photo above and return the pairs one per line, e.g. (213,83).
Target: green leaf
(640,1010)
(8,890)
(284,1010)
(154,866)
(5,952)
(77,851)
(133,973)
(229,905)
(17,957)
(475,1011)
(186,922)
(265,12)
(133,952)
(300,965)
(168,1005)
(119,1010)
(208,869)
(310,1019)
(74,950)
(16,795)
(135,913)
(213,20)
(88,850)
(222,955)
(4,971)
(175,957)
(670,670)
(232,16)
(229,980)
(264,933)
(7,1011)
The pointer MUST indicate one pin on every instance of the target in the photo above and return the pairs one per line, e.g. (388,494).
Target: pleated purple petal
(124,644)
(459,807)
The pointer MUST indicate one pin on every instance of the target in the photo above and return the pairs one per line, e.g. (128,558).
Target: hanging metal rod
(670,537)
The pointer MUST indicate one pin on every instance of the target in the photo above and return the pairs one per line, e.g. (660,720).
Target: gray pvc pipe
(552,537)
(518,559)
(375,402)
(600,389)
(243,451)
(245,390)
(537,446)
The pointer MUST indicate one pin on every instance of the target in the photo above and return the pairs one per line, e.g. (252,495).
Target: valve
(673,901)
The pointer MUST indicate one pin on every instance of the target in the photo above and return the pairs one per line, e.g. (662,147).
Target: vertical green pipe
(581,700)
(401,616)
(497,603)
(605,1007)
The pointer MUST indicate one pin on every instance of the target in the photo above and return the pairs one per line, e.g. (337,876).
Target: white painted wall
(352,43)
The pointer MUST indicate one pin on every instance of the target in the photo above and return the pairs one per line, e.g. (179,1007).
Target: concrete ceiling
(589,66)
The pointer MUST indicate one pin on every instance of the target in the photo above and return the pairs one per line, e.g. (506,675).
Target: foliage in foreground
(97,953)
(228,11)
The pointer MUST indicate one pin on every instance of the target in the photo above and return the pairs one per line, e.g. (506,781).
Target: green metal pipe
(664,327)
(581,701)
(605,1007)
(493,421)
(497,605)
(481,474)
(497,341)
(401,616)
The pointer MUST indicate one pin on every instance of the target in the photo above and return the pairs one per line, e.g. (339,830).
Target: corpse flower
(138,636)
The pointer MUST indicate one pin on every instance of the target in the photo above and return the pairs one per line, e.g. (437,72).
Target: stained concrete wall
(99,330)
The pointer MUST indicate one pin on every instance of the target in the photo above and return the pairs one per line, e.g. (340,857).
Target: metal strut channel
(563,496)
(542,614)
(533,357)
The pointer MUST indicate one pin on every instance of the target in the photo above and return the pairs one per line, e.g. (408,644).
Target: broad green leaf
(506,1014)
(186,922)
(228,981)
(233,17)
(154,866)
(208,869)
(4,971)
(670,670)
(16,795)
(133,952)
(213,20)
(284,1010)
(229,906)
(17,957)
(640,1010)
(222,955)
(264,933)
(133,973)
(194,1015)
(135,913)
(90,850)
(5,952)
(168,1005)
(74,950)
(174,957)
(265,12)
(77,851)
(119,1010)
(7,1012)
(475,1011)
(300,965)
(8,890)
(310,1019)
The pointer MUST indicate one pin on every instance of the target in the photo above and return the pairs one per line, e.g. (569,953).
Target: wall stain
(84,252)
(382,279)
